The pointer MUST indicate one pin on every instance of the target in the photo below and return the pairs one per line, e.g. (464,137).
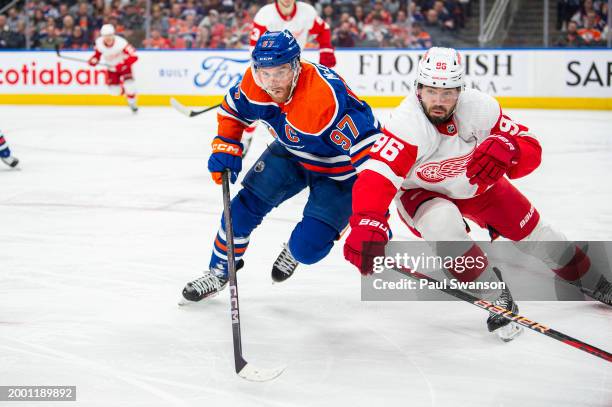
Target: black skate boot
(496,323)
(206,286)
(284,265)
(10,161)
(602,291)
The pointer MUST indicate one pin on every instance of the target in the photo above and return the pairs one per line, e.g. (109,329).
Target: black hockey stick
(190,112)
(57,51)
(243,368)
(519,319)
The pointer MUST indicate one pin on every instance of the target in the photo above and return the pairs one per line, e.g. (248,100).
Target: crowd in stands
(583,23)
(187,24)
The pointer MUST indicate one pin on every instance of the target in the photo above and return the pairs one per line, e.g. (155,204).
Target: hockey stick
(189,112)
(519,319)
(57,51)
(243,368)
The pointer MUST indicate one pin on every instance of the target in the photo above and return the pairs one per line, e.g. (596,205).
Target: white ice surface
(111,214)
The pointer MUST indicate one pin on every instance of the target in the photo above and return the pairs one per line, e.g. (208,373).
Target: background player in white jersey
(5,153)
(114,51)
(448,150)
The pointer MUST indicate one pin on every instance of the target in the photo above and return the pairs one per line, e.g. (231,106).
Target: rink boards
(519,78)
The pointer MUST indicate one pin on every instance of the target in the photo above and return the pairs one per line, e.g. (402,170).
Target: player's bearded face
(277,81)
(438,103)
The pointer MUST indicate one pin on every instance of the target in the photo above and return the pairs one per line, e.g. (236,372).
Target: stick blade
(253,374)
(180,107)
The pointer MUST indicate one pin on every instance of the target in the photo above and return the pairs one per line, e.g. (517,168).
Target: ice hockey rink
(110,214)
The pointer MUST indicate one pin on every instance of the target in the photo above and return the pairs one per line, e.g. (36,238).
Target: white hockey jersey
(414,153)
(116,54)
(303,22)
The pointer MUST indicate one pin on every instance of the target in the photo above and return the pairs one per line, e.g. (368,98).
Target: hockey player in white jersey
(5,153)
(446,154)
(114,51)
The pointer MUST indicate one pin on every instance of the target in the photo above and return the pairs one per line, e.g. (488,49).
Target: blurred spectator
(590,34)
(158,21)
(343,36)
(202,38)
(156,41)
(565,11)
(375,33)
(581,15)
(415,13)
(379,10)
(444,16)
(420,39)
(63,13)
(11,39)
(176,42)
(84,20)
(13,19)
(77,39)
(52,39)
(571,38)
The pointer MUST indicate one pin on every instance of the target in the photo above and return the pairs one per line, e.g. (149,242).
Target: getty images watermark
(467,266)
(424,263)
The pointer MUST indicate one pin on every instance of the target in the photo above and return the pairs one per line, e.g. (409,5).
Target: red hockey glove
(492,159)
(366,227)
(93,61)
(122,68)
(327,57)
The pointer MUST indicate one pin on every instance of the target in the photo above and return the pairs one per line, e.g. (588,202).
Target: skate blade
(182,302)
(509,332)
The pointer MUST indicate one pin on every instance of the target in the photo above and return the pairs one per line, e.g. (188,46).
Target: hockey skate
(602,291)
(10,161)
(502,327)
(284,265)
(207,286)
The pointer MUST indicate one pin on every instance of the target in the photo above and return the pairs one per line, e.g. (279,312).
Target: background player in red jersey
(449,151)
(114,51)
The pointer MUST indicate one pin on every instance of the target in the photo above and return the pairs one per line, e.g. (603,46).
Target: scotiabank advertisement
(378,73)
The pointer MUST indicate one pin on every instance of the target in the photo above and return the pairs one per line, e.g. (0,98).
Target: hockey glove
(93,61)
(327,57)
(122,68)
(226,154)
(492,159)
(365,228)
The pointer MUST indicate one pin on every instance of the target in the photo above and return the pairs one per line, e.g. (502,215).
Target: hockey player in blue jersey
(322,132)
(5,153)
